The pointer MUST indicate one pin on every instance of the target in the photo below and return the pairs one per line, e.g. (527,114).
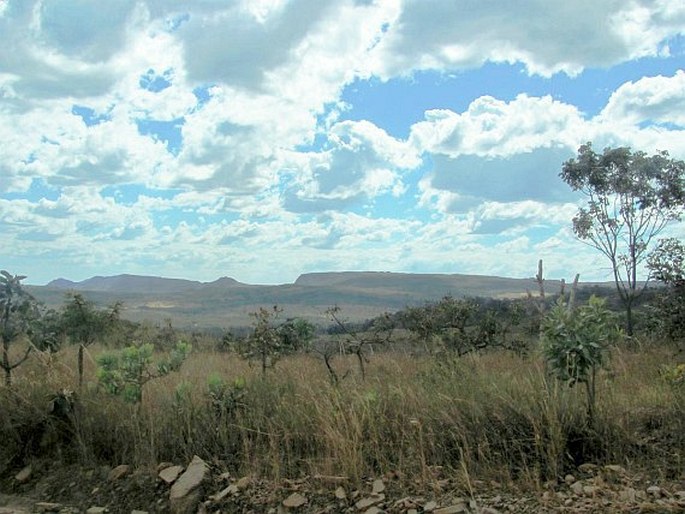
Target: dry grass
(494,416)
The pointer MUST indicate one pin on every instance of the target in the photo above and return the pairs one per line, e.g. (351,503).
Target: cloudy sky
(261,139)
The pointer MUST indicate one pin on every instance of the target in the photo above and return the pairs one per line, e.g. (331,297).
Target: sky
(263,139)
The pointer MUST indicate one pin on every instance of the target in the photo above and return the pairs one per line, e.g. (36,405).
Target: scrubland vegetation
(458,386)
(517,392)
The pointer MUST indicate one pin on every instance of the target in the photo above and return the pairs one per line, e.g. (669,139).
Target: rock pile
(198,489)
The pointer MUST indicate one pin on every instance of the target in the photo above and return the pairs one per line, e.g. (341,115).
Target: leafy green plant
(83,323)
(674,375)
(269,340)
(225,397)
(18,312)
(575,344)
(125,373)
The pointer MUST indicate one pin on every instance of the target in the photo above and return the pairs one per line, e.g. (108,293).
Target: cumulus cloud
(651,99)
(546,36)
(227,118)
(362,161)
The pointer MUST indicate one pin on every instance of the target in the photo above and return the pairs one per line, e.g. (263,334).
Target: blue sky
(262,139)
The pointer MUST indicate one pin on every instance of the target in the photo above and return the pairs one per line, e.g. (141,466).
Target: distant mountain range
(137,283)
(226,302)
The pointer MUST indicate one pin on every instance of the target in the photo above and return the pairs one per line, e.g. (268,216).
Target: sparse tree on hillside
(667,264)
(18,310)
(269,340)
(631,198)
(84,323)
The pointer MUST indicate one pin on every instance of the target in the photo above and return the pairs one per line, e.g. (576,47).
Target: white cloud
(494,128)
(547,36)
(363,161)
(651,99)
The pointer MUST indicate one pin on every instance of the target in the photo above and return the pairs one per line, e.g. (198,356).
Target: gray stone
(294,501)
(119,472)
(654,491)
(615,468)
(243,483)
(627,495)
(47,507)
(373,510)
(186,492)
(231,489)
(378,486)
(24,475)
(365,503)
(340,493)
(96,510)
(452,509)
(170,474)
(577,488)
(590,490)
(587,468)
(430,506)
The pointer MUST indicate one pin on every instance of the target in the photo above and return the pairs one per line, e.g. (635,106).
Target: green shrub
(575,343)
(127,372)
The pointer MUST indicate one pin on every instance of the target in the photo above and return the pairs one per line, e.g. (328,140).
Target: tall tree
(631,197)
(18,310)
(667,264)
(83,323)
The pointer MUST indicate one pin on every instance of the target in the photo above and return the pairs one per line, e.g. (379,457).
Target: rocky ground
(200,487)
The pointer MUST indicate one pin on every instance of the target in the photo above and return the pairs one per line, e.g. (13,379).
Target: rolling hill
(227,302)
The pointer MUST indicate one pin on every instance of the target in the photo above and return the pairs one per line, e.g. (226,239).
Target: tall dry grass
(494,416)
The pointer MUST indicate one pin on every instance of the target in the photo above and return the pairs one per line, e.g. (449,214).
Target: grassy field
(495,416)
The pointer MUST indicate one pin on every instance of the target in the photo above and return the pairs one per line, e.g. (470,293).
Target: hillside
(227,302)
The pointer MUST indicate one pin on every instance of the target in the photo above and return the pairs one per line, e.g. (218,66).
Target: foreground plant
(125,373)
(18,310)
(271,340)
(84,324)
(575,344)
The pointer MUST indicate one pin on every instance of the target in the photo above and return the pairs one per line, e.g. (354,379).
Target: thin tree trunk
(629,317)
(6,363)
(80,366)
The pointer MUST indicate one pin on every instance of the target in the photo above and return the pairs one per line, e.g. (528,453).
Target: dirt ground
(592,489)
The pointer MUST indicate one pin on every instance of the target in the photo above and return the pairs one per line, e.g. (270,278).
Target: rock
(590,490)
(294,501)
(170,474)
(365,503)
(452,509)
(139,512)
(47,507)
(243,483)
(615,468)
(340,493)
(587,468)
(378,486)
(119,472)
(577,488)
(96,510)
(186,491)
(654,491)
(164,465)
(231,489)
(373,510)
(627,495)
(569,479)
(489,510)
(24,475)
(430,506)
